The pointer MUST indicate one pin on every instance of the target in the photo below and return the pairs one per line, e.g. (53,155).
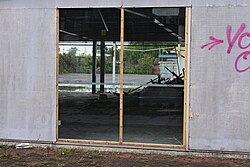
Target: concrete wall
(28,70)
(89,3)
(219,90)
(156,3)
(27,4)
(118,3)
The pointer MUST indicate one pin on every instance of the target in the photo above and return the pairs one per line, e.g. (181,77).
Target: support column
(94,68)
(102,70)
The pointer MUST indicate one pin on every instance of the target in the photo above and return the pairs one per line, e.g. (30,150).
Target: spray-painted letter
(231,41)
(243,55)
(246,34)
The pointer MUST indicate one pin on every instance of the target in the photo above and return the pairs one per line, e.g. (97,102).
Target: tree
(67,61)
(142,62)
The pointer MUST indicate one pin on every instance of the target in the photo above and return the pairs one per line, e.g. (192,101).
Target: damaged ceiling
(141,24)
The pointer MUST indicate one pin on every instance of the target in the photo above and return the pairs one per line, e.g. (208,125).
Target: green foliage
(173,155)
(70,63)
(67,61)
(138,62)
(135,62)
(190,157)
(67,150)
(3,145)
(2,155)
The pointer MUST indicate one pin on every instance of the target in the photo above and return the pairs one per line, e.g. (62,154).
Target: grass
(95,152)
(3,145)
(173,155)
(190,157)
(2,155)
(47,165)
(67,150)
(115,153)
(144,163)
(93,163)
(82,159)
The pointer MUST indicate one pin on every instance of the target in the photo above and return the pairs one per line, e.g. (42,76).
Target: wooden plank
(88,141)
(121,76)
(185,78)
(57,71)
(152,145)
(124,143)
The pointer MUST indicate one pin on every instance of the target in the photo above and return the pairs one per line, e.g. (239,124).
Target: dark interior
(153,113)
(141,24)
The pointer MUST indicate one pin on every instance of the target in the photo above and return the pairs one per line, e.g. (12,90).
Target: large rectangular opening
(88,107)
(153,76)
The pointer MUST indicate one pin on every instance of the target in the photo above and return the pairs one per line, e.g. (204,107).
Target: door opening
(153,76)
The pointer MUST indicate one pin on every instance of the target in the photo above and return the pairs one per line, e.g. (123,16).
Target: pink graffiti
(246,34)
(243,55)
(230,41)
(240,35)
(213,44)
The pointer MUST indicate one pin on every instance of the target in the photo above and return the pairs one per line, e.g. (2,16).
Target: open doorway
(154,71)
(89,87)
(88,106)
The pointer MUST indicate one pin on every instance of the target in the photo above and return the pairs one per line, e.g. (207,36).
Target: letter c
(243,55)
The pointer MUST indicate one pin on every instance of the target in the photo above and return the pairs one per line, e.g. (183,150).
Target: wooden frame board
(57,72)
(186,76)
(121,77)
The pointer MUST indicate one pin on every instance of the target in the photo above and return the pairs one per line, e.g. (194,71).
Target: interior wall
(220,77)
(28,70)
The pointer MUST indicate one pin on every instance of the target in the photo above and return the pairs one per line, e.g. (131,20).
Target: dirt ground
(48,157)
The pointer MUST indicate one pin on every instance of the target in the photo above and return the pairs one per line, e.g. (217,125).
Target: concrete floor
(84,116)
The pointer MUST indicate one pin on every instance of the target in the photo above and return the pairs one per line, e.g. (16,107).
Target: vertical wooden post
(121,76)
(185,76)
(102,71)
(57,71)
(94,68)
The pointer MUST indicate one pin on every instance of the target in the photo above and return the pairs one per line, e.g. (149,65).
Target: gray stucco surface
(86,4)
(28,74)
(118,3)
(220,95)
(15,4)
(156,3)
(229,3)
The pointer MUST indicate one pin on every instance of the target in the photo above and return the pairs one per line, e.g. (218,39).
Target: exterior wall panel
(219,91)
(156,3)
(87,4)
(229,3)
(26,4)
(28,74)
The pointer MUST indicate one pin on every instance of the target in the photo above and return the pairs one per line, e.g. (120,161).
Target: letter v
(230,41)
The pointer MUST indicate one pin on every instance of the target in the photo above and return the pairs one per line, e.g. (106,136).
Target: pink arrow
(213,44)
